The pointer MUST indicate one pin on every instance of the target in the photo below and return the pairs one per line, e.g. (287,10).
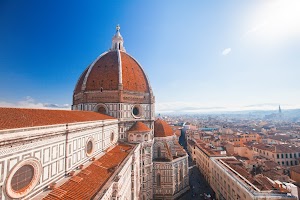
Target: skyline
(223,56)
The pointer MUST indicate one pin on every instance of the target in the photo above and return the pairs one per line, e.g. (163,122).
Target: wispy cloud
(190,107)
(226,51)
(254,29)
(29,102)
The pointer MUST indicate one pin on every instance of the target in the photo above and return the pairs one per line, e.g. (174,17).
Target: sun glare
(275,22)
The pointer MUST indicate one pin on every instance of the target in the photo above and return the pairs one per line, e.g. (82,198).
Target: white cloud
(29,102)
(226,51)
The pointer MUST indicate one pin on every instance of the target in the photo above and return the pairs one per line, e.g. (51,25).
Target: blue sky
(199,55)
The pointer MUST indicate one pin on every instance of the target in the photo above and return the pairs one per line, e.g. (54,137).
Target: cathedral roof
(114,70)
(11,118)
(162,129)
(88,182)
(139,127)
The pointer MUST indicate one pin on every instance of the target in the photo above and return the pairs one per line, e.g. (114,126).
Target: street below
(198,185)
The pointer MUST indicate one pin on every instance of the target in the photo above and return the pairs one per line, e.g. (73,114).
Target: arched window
(158,180)
(112,137)
(146,137)
(131,137)
(158,152)
(180,175)
(102,110)
(119,46)
(139,137)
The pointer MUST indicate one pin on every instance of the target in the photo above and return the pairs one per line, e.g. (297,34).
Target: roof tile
(162,129)
(91,182)
(139,127)
(11,118)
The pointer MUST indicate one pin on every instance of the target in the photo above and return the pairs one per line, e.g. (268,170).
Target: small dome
(162,129)
(139,127)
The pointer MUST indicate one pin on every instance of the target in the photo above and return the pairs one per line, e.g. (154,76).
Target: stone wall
(52,152)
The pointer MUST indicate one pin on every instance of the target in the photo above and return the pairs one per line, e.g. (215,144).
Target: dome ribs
(134,78)
(106,74)
(80,81)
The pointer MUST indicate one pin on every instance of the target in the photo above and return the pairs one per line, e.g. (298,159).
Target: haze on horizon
(199,56)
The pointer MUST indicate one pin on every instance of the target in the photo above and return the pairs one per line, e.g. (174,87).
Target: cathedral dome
(113,70)
(162,129)
(115,76)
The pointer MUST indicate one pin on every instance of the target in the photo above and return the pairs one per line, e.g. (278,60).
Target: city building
(201,154)
(232,181)
(237,177)
(283,154)
(107,147)
(295,173)
(240,139)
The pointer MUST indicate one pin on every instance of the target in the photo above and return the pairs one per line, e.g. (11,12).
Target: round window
(90,147)
(137,111)
(23,178)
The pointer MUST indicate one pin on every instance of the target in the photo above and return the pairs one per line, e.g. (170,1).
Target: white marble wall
(49,145)
(119,110)
(123,111)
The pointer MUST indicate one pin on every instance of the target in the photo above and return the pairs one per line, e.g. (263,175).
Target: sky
(200,56)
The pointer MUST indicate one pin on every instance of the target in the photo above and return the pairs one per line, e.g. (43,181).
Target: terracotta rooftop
(280,137)
(278,148)
(11,118)
(208,150)
(105,74)
(162,129)
(89,181)
(295,169)
(273,174)
(177,130)
(139,127)
(259,181)
(269,164)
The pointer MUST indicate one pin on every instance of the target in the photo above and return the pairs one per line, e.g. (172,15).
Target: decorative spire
(118,27)
(117,40)
(280,110)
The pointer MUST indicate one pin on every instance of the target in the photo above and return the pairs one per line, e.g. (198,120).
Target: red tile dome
(107,74)
(162,129)
(114,77)
(139,127)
